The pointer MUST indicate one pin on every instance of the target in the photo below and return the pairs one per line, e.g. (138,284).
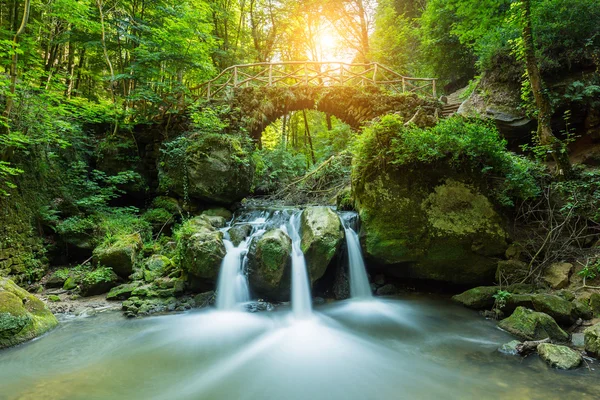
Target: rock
(322,237)
(513,252)
(22,315)
(122,292)
(387,290)
(583,309)
(379,280)
(120,255)
(341,283)
(70,284)
(239,233)
(560,357)
(565,294)
(216,221)
(200,247)
(557,275)
(57,279)
(99,281)
(517,300)
(218,212)
(511,271)
(269,265)
(257,306)
(595,304)
(531,325)
(344,200)
(156,267)
(205,299)
(510,348)
(478,298)
(578,340)
(592,340)
(560,309)
(425,225)
(218,168)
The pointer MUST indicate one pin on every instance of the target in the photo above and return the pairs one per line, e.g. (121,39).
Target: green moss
(322,236)
(531,325)
(70,283)
(200,247)
(481,297)
(269,261)
(53,298)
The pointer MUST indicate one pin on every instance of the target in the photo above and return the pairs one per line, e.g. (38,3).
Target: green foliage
(100,274)
(500,298)
(580,194)
(473,145)
(274,168)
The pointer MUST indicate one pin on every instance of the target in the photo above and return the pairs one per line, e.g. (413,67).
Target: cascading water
(359,281)
(301,299)
(232,286)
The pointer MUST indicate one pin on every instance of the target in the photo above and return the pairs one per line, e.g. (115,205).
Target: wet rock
(341,283)
(560,357)
(510,348)
(122,292)
(379,280)
(557,275)
(317,301)
(258,306)
(119,255)
(478,298)
(429,224)
(583,309)
(239,233)
(269,265)
(387,290)
(531,325)
(200,247)
(517,300)
(559,309)
(218,170)
(322,236)
(595,304)
(592,340)
(22,315)
(205,299)
(578,340)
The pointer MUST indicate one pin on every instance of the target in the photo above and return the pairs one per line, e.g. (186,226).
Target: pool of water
(406,348)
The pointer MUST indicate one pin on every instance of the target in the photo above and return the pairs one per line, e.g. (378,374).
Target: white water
(359,281)
(232,286)
(301,298)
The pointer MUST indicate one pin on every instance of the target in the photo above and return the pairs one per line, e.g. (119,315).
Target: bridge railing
(312,73)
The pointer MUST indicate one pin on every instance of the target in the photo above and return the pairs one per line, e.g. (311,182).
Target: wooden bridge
(312,73)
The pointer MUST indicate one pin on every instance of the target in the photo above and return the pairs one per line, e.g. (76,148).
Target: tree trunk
(307,131)
(545,135)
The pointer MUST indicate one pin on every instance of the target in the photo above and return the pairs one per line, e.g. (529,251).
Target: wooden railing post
(403,85)
(305,75)
(270,74)
(208,91)
(375,74)
(434,89)
(235,76)
(341,74)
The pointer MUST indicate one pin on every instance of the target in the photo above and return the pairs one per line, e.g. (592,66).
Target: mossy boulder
(558,308)
(218,212)
(557,275)
(22,315)
(560,357)
(595,304)
(122,292)
(517,300)
(478,298)
(209,168)
(120,254)
(98,281)
(239,233)
(527,324)
(157,266)
(430,223)
(583,309)
(322,236)
(592,340)
(200,248)
(269,265)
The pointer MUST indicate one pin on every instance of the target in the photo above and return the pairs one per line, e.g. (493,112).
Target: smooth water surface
(410,348)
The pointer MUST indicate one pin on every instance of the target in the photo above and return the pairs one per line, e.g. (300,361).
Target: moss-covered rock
(344,200)
(239,233)
(157,266)
(120,254)
(322,236)
(420,223)
(22,315)
(122,292)
(210,168)
(583,309)
(200,248)
(218,212)
(479,298)
(560,357)
(558,308)
(592,340)
(98,281)
(269,265)
(531,325)
(517,300)
(595,304)
(70,283)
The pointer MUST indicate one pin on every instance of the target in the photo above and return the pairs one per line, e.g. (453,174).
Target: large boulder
(200,248)
(98,281)
(592,340)
(120,254)
(478,298)
(239,233)
(22,315)
(269,265)
(209,168)
(322,235)
(557,275)
(532,325)
(558,308)
(560,357)
(422,224)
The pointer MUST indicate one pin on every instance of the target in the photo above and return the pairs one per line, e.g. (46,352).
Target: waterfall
(359,281)
(301,298)
(232,286)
